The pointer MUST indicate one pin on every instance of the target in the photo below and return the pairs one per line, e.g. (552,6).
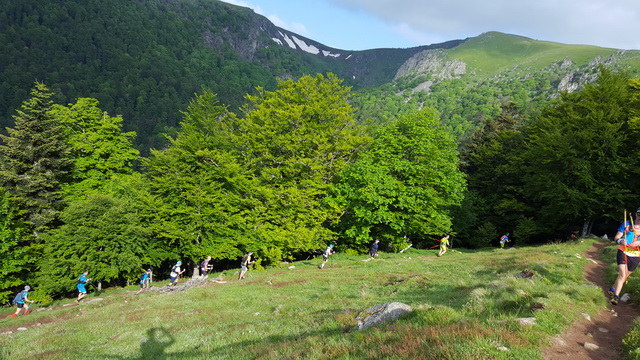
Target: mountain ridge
(145,59)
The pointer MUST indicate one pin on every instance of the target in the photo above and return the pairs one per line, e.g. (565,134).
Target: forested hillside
(146,59)
(143,133)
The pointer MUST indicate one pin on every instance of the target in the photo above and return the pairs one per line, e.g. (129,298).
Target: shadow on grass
(158,340)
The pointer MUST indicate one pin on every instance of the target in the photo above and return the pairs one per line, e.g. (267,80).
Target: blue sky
(369,24)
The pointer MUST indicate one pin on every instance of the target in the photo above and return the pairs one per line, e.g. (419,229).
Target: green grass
(494,52)
(465,306)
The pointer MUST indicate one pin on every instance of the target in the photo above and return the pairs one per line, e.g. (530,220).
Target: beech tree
(100,234)
(34,160)
(295,140)
(404,186)
(98,148)
(200,193)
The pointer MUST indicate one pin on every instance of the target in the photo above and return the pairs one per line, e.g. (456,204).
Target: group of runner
(627,258)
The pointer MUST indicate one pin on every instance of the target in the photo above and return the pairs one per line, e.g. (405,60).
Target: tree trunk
(586,227)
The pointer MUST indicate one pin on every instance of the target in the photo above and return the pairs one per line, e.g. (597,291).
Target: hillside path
(606,329)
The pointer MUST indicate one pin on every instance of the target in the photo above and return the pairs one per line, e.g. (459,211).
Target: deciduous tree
(404,186)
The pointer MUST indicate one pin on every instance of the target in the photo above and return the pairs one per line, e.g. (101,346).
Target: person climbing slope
(325,255)
(444,243)
(504,239)
(175,273)
(144,281)
(373,250)
(20,300)
(81,286)
(244,264)
(628,254)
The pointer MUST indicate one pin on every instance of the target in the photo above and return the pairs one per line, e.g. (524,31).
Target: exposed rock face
(566,63)
(382,314)
(434,62)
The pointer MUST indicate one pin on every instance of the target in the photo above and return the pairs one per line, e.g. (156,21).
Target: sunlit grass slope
(494,52)
(465,307)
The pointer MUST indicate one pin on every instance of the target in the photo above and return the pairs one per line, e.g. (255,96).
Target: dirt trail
(605,330)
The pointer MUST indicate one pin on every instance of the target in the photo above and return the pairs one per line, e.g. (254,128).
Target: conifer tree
(34,160)
(578,164)
(14,256)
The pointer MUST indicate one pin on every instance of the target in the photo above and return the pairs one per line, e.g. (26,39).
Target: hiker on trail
(373,250)
(144,281)
(444,242)
(205,267)
(325,255)
(175,273)
(82,281)
(244,264)
(504,239)
(628,255)
(20,300)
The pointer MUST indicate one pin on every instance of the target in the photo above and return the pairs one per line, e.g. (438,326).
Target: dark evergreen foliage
(34,160)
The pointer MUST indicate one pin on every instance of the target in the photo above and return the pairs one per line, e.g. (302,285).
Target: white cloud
(596,22)
(296,27)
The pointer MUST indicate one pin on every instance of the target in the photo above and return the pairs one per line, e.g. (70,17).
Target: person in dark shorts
(628,255)
(21,300)
(325,255)
(373,250)
(244,264)
(205,267)
(175,273)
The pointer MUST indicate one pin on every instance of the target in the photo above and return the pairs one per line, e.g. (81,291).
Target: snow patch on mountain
(305,47)
(328,53)
(289,41)
(297,43)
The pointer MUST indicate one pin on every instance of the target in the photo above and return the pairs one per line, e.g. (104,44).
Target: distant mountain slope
(145,59)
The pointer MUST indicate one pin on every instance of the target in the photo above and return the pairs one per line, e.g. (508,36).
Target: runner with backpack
(20,300)
(144,281)
(82,290)
(175,273)
(244,264)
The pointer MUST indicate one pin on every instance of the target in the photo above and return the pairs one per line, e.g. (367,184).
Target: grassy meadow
(465,307)
(494,52)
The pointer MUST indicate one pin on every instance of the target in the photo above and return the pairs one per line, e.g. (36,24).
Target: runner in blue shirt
(373,250)
(144,281)
(82,281)
(21,298)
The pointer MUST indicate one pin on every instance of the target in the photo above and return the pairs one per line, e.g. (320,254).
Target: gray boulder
(382,314)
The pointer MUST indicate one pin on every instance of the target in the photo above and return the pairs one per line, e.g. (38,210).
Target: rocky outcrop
(433,62)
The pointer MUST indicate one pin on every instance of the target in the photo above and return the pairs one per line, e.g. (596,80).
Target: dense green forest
(294,171)
(86,49)
(194,138)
